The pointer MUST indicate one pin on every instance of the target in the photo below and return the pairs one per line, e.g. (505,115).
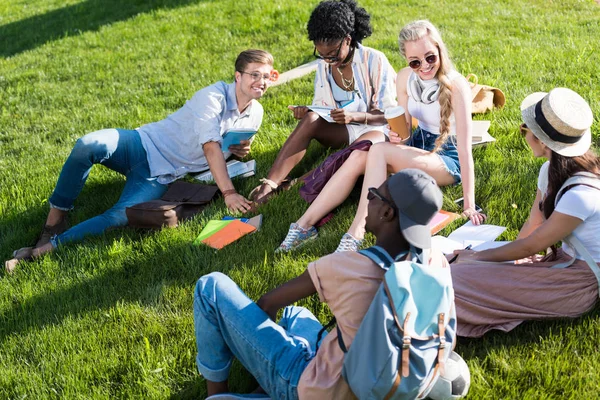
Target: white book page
(490,245)
(470,234)
(324,112)
(445,245)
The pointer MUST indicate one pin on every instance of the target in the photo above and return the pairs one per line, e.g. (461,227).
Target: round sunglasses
(430,59)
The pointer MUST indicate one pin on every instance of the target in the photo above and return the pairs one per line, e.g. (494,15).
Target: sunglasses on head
(416,64)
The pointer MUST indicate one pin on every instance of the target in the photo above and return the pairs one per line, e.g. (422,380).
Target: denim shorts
(422,139)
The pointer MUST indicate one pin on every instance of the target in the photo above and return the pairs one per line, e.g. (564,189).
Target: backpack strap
(442,345)
(591,180)
(340,340)
(580,249)
(380,256)
(581,178)
(323,330)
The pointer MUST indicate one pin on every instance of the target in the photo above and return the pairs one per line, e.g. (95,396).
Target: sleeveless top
(351,101)
(429,114)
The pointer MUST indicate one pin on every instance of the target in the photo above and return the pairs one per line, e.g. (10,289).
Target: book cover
(218,234)
(235,136)
(441,220)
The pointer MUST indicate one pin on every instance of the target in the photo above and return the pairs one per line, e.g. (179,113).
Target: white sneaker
(348,243)
(296,237)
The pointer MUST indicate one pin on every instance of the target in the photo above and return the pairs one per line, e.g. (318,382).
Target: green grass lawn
(112,316)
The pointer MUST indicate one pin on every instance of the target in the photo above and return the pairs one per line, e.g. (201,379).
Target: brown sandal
(264,183)
(23,254)
(49,231)
(286,184)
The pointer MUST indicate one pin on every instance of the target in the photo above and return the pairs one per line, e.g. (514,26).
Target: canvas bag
(398,351)
(591,180)
(181,201)
(484,98)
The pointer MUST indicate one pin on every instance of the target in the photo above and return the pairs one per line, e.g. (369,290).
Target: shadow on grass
(528,332)
(23,229)
(90,15)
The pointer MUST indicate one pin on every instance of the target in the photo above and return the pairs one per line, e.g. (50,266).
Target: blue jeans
(425,140)
(229,324)
(120,150)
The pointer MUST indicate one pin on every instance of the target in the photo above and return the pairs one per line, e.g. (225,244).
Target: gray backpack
(406,335)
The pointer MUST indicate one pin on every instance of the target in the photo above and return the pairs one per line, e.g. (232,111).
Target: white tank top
(429,114)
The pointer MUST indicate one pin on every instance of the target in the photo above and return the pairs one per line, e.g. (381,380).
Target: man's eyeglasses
(416,64)
(329,59)
(257,76)
(374,193)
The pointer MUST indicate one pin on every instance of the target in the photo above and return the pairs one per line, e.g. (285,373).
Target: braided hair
(333,20)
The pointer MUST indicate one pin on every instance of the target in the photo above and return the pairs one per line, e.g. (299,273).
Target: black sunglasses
(374,193)
(416,64)
(328,59)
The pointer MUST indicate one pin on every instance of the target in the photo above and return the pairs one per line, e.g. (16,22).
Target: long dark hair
(562,168)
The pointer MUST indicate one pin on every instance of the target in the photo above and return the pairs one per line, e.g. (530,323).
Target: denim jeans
(229,324)
(425,140)
(120,150)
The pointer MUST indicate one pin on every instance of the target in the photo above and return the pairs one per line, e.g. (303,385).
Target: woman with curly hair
(433,92)
(355,81)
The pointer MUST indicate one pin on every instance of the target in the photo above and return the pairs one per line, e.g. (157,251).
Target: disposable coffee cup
(397,120)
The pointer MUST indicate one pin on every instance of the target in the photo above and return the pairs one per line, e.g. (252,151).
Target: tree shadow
(19,230)
(528,332)
(29,33)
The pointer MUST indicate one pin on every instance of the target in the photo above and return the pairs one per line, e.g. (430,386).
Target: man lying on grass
(151,157)
(283,357)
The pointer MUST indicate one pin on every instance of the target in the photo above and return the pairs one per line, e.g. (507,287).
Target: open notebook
(478,236)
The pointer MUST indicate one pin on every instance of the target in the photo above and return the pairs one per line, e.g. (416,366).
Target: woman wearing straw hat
(496,295)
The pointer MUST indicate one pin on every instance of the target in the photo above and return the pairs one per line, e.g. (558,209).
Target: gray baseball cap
(418,199)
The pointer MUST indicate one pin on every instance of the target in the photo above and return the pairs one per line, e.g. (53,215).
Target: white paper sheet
(490,245)
(476,234)
(324,112)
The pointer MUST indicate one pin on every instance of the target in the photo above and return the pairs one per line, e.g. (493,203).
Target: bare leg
(387,157)
(216,387)
(340,185)
(55,216)
(336,190)
(293,150)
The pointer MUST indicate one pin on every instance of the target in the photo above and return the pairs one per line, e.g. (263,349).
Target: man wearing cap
(282,357)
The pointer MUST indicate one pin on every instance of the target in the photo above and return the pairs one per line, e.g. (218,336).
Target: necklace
(348,84)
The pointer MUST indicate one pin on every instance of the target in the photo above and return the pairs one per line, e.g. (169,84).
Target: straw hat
(561,119)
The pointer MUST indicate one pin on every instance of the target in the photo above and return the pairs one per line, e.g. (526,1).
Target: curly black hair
(335,19)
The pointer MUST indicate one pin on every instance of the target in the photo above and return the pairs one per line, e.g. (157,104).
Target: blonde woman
(432,91)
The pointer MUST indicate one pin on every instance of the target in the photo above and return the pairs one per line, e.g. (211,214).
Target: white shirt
(428,115)
(174,145)
(582,202)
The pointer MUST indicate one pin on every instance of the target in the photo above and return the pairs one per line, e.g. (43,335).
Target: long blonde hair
(417,30)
